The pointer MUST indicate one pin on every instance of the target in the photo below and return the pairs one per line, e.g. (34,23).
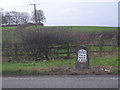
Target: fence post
(113,45)
(16,51)
(68,50)
(100,44)
(46,53)
(55,52)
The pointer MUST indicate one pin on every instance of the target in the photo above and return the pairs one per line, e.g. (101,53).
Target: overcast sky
(70,12)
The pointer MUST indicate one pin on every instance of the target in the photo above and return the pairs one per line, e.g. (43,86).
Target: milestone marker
(82,58)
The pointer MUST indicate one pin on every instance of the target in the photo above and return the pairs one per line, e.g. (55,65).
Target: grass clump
(105,61)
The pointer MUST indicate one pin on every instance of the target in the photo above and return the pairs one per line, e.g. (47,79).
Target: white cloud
(8,3)
(68,12)
(91,12)
(79,1)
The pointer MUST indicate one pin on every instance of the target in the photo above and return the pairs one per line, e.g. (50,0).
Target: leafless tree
(24,18)
(15,18)
(40,16)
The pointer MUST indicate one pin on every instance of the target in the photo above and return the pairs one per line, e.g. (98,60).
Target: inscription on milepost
(82,55)
(82,58)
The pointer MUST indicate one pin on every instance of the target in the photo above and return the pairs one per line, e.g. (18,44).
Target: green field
(74,28)
(87,28)
(9,28)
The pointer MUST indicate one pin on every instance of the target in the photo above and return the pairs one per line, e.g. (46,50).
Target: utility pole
(35,13)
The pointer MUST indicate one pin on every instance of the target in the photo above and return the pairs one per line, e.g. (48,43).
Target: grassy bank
(9,28)
(46,67)
(79,28)
(9,34)
(73,28)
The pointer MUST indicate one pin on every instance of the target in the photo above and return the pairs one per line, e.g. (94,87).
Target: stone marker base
(82,65)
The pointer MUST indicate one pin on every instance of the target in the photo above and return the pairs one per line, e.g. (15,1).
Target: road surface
(73,81)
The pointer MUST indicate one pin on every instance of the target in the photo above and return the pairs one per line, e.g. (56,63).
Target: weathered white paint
(82,55)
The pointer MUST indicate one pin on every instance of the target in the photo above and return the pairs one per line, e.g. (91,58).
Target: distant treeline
(23,25)
(14,18)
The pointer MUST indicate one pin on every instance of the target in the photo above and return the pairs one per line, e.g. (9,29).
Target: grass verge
(47,67)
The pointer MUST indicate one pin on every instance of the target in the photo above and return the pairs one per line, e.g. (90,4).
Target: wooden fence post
(100,44)
(46,53)
(16,51)
(113,45)
(68,50)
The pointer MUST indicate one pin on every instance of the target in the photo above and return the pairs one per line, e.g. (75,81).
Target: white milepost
(82,61)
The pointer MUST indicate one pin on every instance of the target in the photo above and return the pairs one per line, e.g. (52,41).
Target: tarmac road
(67,81)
